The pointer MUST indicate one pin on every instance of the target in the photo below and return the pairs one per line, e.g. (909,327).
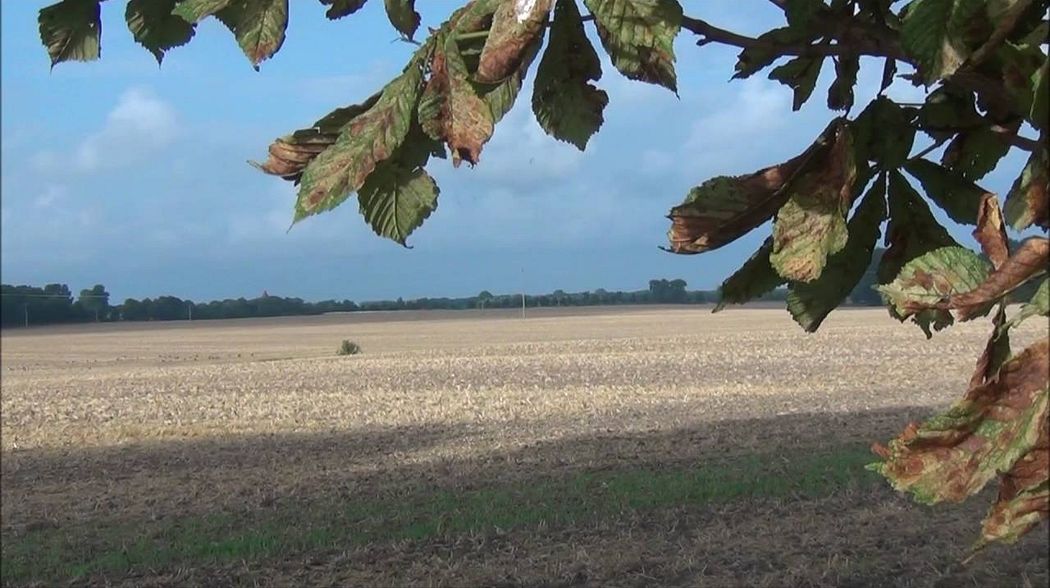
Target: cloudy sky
(135,176)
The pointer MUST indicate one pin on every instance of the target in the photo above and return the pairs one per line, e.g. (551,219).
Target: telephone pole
(522,292)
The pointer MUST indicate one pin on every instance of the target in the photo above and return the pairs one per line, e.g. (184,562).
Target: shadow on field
(768,501)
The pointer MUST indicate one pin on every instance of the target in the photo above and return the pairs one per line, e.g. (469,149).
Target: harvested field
(609,447)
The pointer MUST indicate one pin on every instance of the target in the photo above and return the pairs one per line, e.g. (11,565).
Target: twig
(712,34)
(929,149)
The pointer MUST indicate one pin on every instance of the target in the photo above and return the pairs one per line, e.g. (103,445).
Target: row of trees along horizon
(56,304)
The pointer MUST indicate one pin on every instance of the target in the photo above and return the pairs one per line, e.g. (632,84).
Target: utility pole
(26,307)
(522,292)
(190,307)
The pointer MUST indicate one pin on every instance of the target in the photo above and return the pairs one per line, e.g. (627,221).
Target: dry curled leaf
(991,231)
(1029,259)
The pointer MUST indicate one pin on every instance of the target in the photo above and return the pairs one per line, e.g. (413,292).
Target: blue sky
(135,176)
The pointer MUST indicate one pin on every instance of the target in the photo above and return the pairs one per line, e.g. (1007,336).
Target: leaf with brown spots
(516,24)
(932,278)
(812,223)
(1030,259)
(811,302)
(954,455)
(468,119)
(639,37)
(369,138)
(1024,495)
(289,155)
(724,208)
(1028,202)
(258,25)
(991,231)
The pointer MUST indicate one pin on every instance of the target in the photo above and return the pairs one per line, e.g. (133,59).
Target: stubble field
(598,447)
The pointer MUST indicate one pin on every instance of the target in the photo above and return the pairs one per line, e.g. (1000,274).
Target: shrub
(348,347)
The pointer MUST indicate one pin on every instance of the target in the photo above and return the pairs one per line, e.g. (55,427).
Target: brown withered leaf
(515,26)
(724,208)
(289,155)
(1024,495)
(953,455)
(996,350)
(467,118)
(1029,259)
(991,231)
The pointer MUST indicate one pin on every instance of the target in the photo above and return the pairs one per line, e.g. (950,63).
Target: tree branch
(857,46)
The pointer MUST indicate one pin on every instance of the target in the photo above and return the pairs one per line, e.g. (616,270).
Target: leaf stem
(474,35)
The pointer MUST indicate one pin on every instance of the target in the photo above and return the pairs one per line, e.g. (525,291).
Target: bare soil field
(607,447)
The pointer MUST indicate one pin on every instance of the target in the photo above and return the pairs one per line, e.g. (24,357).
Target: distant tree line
(55,303)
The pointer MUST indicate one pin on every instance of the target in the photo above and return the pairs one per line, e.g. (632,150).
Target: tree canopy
(867,176)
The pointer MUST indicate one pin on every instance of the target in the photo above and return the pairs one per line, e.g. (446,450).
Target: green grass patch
(98,547)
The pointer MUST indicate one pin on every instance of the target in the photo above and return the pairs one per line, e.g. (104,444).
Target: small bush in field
(348,347)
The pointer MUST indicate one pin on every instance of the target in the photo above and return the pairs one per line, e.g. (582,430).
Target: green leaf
(957,196)
(945,110)
(801,14)
(566,105)
(974,153)
(884,134)
(1039,305)
(840,93)
(369,138)
(799,74)
(1039,115)
(911,232)
(155,27)
(753,279)
(810,303)
(399,195)
(932,33)
(340,8)
(639,37)
(933,277)
(194,11)
(754,59)
(259,26)
(71,30)
(402,14)
(1027,202)
(812,223)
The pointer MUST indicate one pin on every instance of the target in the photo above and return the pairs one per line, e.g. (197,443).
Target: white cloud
(139,125)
